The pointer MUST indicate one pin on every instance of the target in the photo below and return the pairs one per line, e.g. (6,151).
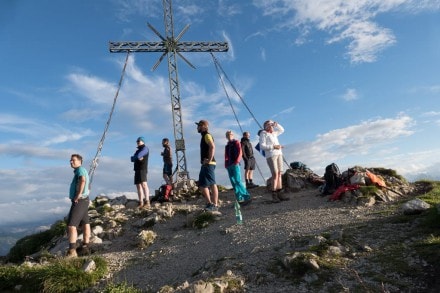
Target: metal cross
(171,46)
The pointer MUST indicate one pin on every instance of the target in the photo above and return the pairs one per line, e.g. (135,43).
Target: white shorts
(275,164)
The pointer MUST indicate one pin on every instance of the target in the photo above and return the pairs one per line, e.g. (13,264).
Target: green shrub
(33,243)
(386,172)
(369,190)
(203,220)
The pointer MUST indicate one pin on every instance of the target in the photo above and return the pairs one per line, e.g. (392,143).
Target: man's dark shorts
(79,213)
(168,169)
(249,164)
(140,176)
(207,176)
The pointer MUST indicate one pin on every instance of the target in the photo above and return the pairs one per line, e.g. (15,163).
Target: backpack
(164,193)
(332,178)
(298,166)
(260,150)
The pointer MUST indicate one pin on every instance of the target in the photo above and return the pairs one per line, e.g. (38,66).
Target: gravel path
(181,254)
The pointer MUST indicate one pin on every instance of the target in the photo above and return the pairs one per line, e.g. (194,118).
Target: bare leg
(205,193)
(250,175)
(73,234)
(140,192)
(214,191)
(86,233)
(274,181)
(279,181)
(247,175)
(167,179)
(147,193)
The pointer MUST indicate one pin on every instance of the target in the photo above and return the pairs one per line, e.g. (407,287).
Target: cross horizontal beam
(120,47)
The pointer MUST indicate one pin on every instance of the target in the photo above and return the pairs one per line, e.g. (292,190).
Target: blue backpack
(298,166)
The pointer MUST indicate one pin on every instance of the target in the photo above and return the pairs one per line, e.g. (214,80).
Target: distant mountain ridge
(10,234)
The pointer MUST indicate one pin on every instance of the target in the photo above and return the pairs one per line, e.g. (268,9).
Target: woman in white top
(274,156)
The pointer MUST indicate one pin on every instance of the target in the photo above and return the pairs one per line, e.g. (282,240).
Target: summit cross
(171,47)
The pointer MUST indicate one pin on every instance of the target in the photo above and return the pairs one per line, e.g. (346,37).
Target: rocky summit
(306,244)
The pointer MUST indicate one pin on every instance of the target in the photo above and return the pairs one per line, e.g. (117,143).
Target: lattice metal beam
(123,47)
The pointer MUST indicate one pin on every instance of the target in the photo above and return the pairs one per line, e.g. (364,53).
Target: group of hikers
(234,152)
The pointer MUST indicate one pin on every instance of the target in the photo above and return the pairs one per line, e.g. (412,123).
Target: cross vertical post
(171,47)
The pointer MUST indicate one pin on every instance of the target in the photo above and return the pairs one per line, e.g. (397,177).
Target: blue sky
(352,82)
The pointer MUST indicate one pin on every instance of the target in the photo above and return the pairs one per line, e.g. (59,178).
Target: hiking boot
(84,250)
(275,198)
(245,202)
(71,253)
(210,207)
(282,197)
(252,185)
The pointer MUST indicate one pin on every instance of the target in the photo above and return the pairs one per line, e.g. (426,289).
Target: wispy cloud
(42,134)
(426,89)
(431,114)
(350,95)
(127,8)
(355,140)
(283,112)
(231,51)
(263,54)
(228,8)
(351,21)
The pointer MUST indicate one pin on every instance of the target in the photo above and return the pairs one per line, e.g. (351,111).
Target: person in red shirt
(233,155)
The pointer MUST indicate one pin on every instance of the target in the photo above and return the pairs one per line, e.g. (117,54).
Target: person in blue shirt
(140,167)
(78,214)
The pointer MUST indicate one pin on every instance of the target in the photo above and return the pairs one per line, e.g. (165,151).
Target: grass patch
(393,259)
(61,275)
(120,288)
(369,190)
(429,248)
(432,217)
(387,172)
(432,191)
(203,220)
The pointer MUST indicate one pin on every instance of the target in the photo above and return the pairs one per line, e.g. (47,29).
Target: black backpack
(332,177)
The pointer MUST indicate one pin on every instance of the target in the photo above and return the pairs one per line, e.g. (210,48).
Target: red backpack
(165,192)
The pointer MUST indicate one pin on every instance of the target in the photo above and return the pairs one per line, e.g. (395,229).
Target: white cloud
(366,41)
(263,54)
(350,95)
(95,89)
(428,89)
(228,8)
(188,10)
(42,134)
(361,141)
(431,114)
(351,21)
(230,56)
(128,8)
